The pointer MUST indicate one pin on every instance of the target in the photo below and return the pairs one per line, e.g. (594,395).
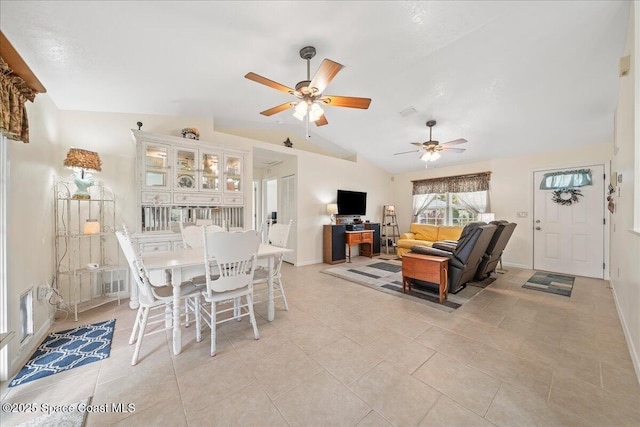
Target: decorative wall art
(612,189)
(566,196)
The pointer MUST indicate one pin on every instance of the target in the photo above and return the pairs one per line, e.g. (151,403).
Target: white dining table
(185,264)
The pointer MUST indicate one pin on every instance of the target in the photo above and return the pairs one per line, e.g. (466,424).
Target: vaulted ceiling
(510,77)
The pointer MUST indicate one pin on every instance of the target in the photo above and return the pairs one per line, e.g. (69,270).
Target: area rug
(553,283)
(71,415)
(65,350)
(386,276)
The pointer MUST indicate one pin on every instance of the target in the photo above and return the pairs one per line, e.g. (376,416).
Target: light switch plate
(522,214)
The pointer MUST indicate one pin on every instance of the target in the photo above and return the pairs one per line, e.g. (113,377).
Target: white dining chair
(193,238)
(192,234)
(234,256)
(278,235)
(152,297)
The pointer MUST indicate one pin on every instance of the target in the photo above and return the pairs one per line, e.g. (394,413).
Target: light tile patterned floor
(347,355)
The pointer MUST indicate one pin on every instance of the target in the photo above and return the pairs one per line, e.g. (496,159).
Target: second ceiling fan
(430,150)
(310,91)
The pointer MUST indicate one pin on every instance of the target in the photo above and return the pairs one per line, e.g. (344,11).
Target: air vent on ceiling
(408,111)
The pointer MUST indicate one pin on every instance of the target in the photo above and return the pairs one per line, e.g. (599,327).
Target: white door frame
(607,216)
(256,216)
(286,198)
(4,302)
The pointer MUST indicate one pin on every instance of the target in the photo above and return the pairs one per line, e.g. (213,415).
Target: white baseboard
(25,352)
(303,263)
(514,265)
(633,351)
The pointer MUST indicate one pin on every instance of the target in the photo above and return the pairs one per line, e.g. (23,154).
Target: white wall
(511,190)
(318,176)
(318,182)
(30,225)
(625,243)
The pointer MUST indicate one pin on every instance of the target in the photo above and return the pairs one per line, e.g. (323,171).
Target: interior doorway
(569,237)
(270,199)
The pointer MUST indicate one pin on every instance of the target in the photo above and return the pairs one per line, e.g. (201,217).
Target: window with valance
(452,200)
(14,93)
(453,184)
(18,85)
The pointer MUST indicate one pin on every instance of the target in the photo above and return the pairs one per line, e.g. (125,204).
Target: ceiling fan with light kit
(310,92)
(430,150)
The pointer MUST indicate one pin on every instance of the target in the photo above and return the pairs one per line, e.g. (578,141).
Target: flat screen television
(352,202)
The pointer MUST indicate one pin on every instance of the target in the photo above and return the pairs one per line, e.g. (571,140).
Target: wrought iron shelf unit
(88,270)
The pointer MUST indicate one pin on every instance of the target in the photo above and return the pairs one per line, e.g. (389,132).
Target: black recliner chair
(495,249)
(465,258)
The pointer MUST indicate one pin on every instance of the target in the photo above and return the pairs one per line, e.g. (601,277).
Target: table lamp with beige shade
(83,162)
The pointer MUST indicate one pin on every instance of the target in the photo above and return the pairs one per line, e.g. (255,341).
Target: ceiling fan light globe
(435,156)
(315,112)
(300,111)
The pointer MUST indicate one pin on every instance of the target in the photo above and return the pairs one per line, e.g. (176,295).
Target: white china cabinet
(188,181)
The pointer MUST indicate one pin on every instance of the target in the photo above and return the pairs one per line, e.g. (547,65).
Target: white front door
(570,238)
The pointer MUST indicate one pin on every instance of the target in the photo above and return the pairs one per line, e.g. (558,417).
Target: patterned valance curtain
(14,92)
(566,179)
(453,184)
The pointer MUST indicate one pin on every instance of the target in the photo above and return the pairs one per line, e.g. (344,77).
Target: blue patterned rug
(553,283)
(65,350)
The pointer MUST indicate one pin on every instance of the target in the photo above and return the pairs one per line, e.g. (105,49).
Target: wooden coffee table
(428,268)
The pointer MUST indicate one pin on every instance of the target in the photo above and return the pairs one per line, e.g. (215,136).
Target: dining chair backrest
(200,221)
(279,234)
(191,236)
(235,255)
(138,271)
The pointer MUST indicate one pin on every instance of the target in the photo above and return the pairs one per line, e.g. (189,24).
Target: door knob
(538,228)
(537,221)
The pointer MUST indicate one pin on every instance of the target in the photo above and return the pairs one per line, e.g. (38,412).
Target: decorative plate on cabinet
(186,181)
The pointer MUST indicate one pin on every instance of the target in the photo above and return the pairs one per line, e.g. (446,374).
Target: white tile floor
(347,355)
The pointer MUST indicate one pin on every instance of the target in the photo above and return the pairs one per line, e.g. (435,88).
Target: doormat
(553,283)
(65,350)
(75,416)
(386,276)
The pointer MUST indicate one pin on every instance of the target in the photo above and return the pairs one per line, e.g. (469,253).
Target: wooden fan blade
(455,150)
(281,107)
(455,142)
(322,121)
(418,144)
(265,81)
(346,101)
(405,152)
(327,71)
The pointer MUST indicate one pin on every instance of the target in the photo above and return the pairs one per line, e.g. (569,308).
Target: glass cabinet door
(156,173)
(210,168)
(185,175)
(233,174)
